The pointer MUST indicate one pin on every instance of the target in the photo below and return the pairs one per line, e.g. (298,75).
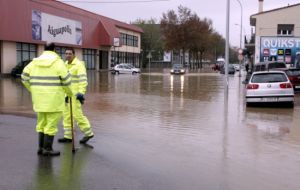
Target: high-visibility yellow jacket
(79,79)
(48,80)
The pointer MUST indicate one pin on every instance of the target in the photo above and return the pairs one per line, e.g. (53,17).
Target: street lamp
(227,44)
(241,27)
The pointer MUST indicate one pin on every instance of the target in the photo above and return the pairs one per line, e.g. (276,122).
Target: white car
(269,87)
(236,67)
(177,69)
(125,68)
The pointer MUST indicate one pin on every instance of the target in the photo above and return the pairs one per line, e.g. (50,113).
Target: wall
(129,48)
(78,53)
(266,25)
(9,56)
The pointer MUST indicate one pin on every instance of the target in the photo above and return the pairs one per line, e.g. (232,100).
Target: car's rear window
(276,65)
(293,72)
(268,78)
(259,67)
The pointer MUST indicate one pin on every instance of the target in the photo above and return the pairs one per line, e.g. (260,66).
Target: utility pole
(241,27)
(227,44)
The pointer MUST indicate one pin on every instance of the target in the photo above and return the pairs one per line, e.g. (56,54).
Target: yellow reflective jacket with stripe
(79,79)
(48,80)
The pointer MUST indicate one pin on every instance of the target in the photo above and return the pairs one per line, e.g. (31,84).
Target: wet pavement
(156,131)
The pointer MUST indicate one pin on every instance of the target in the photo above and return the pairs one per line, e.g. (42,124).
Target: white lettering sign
(52,28)
(279,42)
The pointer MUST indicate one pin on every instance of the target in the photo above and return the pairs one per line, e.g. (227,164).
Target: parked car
(269,87)
(125,68)
(266,66)
(177,69)
(231,69)
(236,67)
(18,69)
(294,76)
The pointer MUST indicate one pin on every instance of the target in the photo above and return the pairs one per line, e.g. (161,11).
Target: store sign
(279,49)
(52,28)
(116,42)
(167,56)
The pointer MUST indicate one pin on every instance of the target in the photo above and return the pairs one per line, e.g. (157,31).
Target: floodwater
(184,132)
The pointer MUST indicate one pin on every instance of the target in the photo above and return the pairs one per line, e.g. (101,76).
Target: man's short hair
(71,49)
(50,47)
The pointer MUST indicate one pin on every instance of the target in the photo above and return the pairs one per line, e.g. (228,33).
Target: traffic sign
(240,51)
(149,56)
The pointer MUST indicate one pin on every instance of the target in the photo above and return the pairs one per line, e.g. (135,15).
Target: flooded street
(183,132)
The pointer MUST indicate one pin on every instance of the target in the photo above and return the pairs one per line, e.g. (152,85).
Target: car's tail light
(292,78)
(286,85)
(252,86)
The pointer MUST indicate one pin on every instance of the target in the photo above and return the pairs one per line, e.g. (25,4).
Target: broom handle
(72,125)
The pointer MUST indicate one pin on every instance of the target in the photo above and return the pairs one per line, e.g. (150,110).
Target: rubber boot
(41,144)
(64,140)
(85,139)
(48,151)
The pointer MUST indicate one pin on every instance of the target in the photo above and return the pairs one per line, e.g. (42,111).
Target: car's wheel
(133,72)
(291,105)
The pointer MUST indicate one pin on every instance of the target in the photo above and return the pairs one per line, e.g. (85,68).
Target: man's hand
(80,97)
(66,99)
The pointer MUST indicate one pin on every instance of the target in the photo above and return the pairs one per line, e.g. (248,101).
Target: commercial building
(277,34)
(27,25)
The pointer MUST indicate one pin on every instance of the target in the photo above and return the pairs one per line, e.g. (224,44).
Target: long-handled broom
(72,126)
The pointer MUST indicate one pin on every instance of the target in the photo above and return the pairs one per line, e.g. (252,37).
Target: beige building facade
(277,34)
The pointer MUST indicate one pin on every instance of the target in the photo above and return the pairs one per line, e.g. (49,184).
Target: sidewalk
(22,168)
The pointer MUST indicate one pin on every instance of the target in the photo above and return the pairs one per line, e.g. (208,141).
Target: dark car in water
(294,76)
(231,69)
(18,69)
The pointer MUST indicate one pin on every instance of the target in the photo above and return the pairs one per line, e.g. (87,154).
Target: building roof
(253,19)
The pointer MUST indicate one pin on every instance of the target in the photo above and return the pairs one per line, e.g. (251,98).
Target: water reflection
(172,90)
(44,178)
(13,96)
(67,174)
(188,130)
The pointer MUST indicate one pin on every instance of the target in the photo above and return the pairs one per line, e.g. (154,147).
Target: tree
(217,46)
(185,31)
(151,40)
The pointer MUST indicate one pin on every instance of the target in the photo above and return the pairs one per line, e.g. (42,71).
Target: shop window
(129,40)
(285,29)
(135,41)
(26,51)
(61,52)
(123,39)
(89,57)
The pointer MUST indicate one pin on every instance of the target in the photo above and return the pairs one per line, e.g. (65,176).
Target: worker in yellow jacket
(79,83)
(48,80)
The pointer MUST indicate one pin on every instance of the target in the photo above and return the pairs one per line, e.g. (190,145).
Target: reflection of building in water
(90,34)
(13,95)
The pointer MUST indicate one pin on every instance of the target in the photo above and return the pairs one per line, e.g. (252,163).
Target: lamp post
(227,44)
(241,27)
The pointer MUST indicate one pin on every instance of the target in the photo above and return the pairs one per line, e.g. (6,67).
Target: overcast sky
(212,9)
